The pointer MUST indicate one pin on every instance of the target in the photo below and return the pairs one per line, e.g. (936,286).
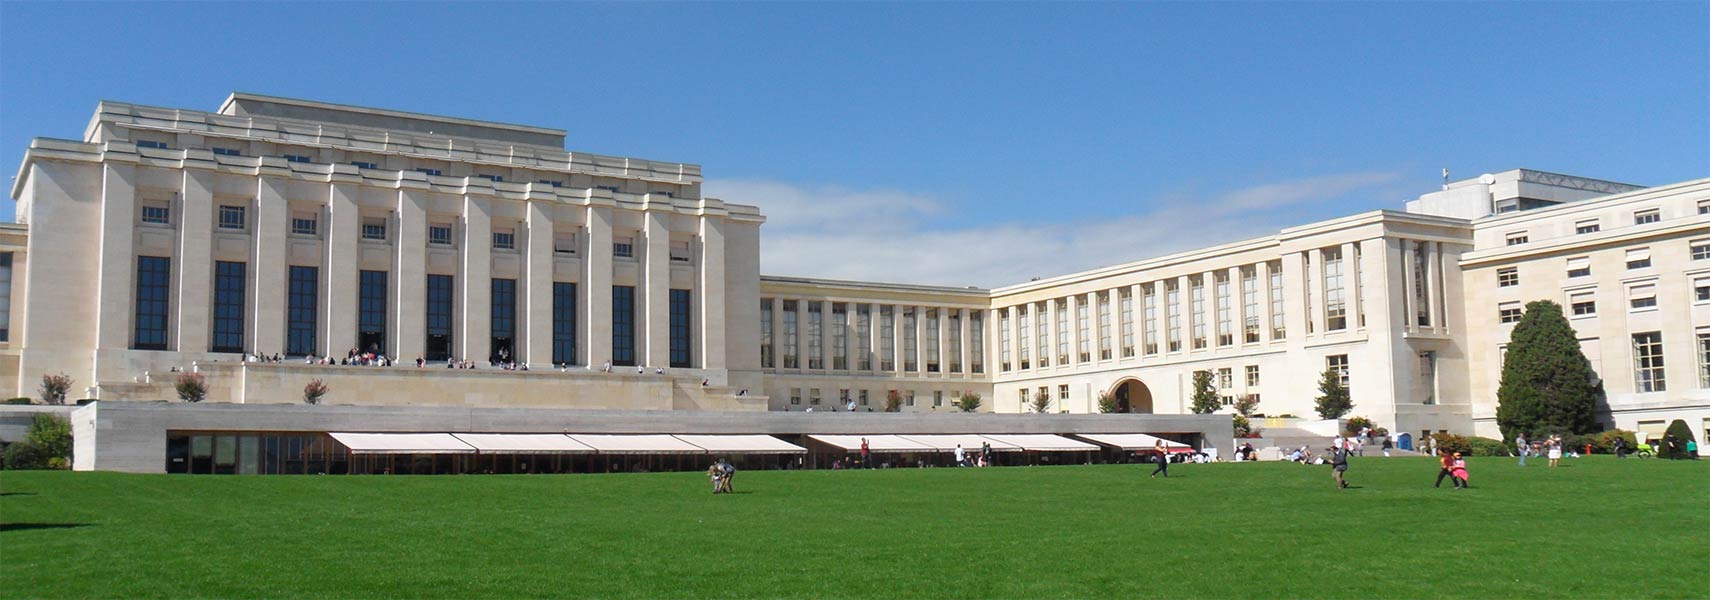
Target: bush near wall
(20,400)
(1469,445)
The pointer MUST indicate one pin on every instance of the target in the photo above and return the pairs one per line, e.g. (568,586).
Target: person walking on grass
(866,455)
(1555,446)
(1521,448)
(1163,460)
(1459,472)
(1339,465)
(1386,446)
(1447,464)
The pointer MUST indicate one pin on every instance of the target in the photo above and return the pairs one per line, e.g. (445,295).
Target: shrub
(54,387)
(1547,384)
(1205,399)
(51,433)
(1243,427)
(24,455)
(1356,423)
(1287,416)
(1246,404)
(1605,442)
(968,402)
(1333,401)
(313,392)
(1468,445)
(20,400)
(893,401)
(1107,403)
(1041,401)
(1680,435)
(192,387)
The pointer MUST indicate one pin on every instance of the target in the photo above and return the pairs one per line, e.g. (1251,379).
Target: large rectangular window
(504,320)
(1339,364)
(1278,330)
(1704,361)
(1042,333)
(815,328)
(440,292)
(154,288)
(1104,330)
(977,341)
(563,323)
(790,325)
(623,325)
(932,340)
(1225,312)
(911,339)
(1250,300)
(1198,310)
(1004,339)
(1127,308)
(1648,373)
(230,281)
(953,331)
(863,337)
(5,296)
(1083,349)
(1149,318)
(680,336)
(302,310)
(1024,326)
(839,336)
(766,347)
(371,312)
(1173,315)
(1335,295)
(887,338)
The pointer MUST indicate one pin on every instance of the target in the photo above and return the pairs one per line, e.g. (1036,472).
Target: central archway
(1132,396)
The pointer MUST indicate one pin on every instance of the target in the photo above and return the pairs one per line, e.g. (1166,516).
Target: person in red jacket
(1447,470)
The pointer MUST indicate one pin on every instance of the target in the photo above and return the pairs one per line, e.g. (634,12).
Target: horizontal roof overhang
(402,443)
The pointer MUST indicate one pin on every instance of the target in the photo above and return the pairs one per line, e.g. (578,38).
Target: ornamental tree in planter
(192,387)
(1041,401)
(54,387)
(1107,403)
(1246,404)
(893,401)
(968,402)
(313,392)
(1333,400)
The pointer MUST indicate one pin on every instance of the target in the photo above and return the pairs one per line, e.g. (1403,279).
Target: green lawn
(1593,528)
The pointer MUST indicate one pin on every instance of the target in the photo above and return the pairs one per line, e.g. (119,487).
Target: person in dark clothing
(1620,447)
(1339,465)
(1163,461)
(1447,461)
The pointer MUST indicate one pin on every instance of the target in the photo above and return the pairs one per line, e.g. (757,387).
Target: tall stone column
(1139,316)
(534,323)
(476,337)
(194,268)
(596,307)
(898,360)
(825,325)
(117,288)
(338,271)
(407,311)
(268,254)
(711,321)
(1294,295)
(655,311)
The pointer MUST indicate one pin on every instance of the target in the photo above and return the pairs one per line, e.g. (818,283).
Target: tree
(192,387)
(1205,399)
(1041,401)
(968,402)
(1674,441)
(1107,403)
(1243,427)
(893,401)
(1246,404)
(54,387)
(313,392)
(46,445)
(1547,384)
(1333,401)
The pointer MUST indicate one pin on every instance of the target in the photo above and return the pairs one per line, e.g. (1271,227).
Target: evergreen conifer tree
(1547,386)
(1205,399)
(1333,400)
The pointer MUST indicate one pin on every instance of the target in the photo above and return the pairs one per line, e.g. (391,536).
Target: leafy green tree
(1547,384)
(1107,403)
(1681,434)
(1205,399)
(1245,405)
(192,387)
(1041,401)
(1333,400)
(893,401)
(968,402)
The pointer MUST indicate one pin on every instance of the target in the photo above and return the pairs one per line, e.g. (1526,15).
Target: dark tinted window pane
(680,328)
(154,277)
(301,310)
(564,323)
(504,320)
(623,325)
(371,312)
(439,303)
(229,283)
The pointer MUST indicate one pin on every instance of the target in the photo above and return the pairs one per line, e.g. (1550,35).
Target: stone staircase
(1286,439)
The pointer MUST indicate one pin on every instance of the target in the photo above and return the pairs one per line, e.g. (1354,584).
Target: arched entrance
(1132,396)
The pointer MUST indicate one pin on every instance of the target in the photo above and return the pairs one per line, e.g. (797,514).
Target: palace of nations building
(172,239)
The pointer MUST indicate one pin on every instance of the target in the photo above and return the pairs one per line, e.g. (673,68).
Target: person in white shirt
(961,457)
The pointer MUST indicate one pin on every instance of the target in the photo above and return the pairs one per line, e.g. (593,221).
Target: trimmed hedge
(20,400)
(1469,445)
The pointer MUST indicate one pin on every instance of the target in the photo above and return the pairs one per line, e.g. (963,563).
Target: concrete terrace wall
(131,436)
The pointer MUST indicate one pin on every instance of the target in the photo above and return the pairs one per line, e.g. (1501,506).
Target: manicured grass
(1595,527)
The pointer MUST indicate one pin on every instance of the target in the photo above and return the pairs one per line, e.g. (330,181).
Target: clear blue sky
(991,115)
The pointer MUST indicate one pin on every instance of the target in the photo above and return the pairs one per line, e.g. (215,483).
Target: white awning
(523,443)
(1579,262)
(1041,442)
(402,443)
(1641,292)
(1638,254)
(742,444)
(875,443)
(1135,441)
(948,442)
(636,444)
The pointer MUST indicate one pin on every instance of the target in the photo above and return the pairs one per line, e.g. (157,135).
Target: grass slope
(1593,528)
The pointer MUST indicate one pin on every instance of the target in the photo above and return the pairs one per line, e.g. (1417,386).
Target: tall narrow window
(1004,339)
(1278,329)
(623,325)
(1225,312)
(887,338)
(563,323)
(303,311)
(681,339)
(1704,360)
(790,335)
(977,341)
(5,296)
(1339,364)
(954,331)
(154,285)
(1149,304)
(1250,300)
(439,303)
(504,321)
(932,342)
(863,337)
(1127,322)
(1042,335)
(1104,327)
(1024,327)
(767,361)
(371,312)
(1173,315)
(1421,287)
(1252,376)
(911,339)
(1335,301)
(1648,362)
(815,322)
(1198,310)
(229,282)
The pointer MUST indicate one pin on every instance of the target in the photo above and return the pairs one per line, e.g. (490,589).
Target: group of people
(1455,468)
(1551,447)
(722,472)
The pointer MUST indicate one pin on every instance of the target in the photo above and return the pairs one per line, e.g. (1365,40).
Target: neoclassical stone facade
(168,238)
